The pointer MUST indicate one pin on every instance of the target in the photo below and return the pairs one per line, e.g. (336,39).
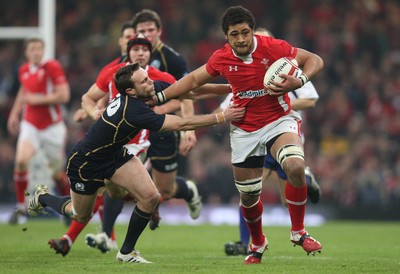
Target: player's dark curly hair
(146,15)
(122,78)
(237,15)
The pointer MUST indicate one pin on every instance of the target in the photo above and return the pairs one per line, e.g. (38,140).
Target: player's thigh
(243,174)
(27,144)
(134,177)
(24,153)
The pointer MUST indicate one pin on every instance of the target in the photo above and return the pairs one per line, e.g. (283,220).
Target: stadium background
(352,136)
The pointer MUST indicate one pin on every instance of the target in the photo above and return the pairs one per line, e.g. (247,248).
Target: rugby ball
(284,65)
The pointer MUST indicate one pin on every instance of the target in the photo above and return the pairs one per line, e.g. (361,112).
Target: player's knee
(291,159)
(248,200)
(294,169)
(153,200)
(250,186)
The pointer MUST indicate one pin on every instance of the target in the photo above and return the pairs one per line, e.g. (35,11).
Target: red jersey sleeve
(214,63)
(276,48)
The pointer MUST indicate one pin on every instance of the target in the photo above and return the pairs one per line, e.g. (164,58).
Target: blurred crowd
(352,135)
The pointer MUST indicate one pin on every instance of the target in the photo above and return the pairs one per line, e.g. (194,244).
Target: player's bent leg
(134,177)
(81,207)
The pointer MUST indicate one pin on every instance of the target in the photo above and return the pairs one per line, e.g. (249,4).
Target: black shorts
(164,150)
(87,175)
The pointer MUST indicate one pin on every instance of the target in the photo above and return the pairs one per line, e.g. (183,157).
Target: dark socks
(55,202)
(137,224)
(183,192)
(111,209)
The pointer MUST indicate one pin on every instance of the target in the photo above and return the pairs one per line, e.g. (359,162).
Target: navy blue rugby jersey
(166,59)
(122,120)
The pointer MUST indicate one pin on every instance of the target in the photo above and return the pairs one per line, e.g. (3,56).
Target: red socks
(21,185)
(296,198)
(252,216)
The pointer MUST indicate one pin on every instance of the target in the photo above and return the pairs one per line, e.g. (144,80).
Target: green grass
(348,247)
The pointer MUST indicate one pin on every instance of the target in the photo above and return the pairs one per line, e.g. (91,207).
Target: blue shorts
(164,150)
(86,175)
(271,163)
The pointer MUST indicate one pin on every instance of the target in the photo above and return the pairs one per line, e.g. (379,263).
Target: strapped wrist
(161,97)
(303,78)
(220,116)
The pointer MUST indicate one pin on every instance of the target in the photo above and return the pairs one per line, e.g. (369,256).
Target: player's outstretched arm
(207,91)
(174,122)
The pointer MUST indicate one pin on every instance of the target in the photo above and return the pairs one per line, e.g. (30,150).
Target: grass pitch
(348,247)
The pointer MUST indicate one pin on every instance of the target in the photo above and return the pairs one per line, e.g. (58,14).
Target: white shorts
(139,150)
(246,144)
(51,140)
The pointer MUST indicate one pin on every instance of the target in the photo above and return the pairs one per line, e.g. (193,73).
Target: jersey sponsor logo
(79,187)
(233,68)
(251,93)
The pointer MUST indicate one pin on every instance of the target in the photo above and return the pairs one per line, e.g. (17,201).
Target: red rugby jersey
(246,77)
(42,79)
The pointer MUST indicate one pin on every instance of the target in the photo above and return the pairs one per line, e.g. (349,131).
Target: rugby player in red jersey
(269,126)
(43,89)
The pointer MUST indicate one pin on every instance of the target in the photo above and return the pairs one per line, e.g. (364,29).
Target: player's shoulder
(223,52)
(51,64)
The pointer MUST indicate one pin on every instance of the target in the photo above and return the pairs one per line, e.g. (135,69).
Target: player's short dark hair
(237,15)
(124,26)
(122,78)
(146,15)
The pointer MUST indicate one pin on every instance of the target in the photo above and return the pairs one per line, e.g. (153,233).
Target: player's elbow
(320,63)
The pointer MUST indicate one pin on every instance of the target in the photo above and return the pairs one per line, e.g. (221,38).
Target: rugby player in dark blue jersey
(100,155)
(166,146)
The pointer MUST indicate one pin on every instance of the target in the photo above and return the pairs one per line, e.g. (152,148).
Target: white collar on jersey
(34,68)
(248,59)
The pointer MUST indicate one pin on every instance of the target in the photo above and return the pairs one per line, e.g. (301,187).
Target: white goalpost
(45,29)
